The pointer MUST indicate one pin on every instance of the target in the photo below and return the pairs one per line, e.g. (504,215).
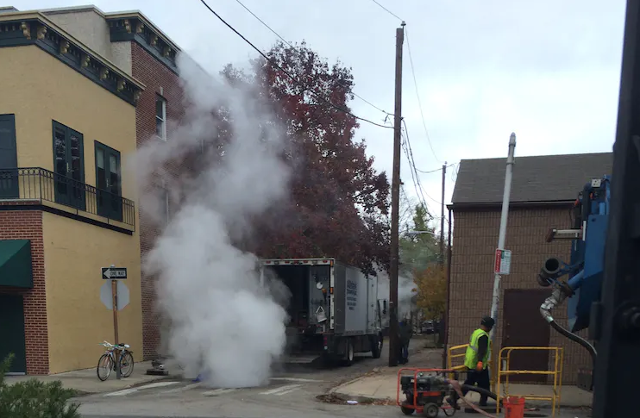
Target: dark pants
(403,355)
(480,378)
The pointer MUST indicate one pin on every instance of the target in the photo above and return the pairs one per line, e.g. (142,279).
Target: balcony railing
(38,184)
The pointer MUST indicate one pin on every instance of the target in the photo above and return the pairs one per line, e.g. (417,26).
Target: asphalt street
(292,392)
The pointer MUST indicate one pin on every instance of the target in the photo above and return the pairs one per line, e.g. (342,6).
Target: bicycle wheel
(126,363)
(105,364)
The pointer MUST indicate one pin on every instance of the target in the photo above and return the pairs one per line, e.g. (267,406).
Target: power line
(293,46)
(413,165)
(413,175)
(317,96)
(388,11)
(434,171)
(415,82)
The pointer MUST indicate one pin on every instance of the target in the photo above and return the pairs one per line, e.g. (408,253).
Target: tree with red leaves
(340,203)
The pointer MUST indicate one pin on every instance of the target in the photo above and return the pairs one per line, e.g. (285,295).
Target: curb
(84,393)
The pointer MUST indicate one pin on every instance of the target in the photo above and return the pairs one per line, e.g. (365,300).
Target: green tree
(418,251)
(431,291)
(34,399)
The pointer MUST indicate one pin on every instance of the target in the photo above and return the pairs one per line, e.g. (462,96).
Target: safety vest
(470,358)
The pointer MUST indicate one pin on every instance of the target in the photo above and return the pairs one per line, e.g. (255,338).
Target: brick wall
(27,224)
(158,80)
(475,238)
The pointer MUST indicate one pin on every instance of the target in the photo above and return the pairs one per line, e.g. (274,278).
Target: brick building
(67,205)
(543,189)
(143,51)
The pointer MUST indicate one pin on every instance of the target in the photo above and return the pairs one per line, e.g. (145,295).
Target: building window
(108,182)
(68,166)
(165,203)
(161,118)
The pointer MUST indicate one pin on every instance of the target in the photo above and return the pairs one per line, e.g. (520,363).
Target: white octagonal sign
(107,299)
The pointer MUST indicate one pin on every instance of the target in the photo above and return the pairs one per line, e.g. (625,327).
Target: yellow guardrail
(506,371)
(463,348)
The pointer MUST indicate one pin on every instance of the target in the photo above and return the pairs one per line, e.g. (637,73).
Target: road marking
(157,385)
(286,391)
(296,379)
(122,392)
(133,390)
(218,392)
(276,391)
(184,388)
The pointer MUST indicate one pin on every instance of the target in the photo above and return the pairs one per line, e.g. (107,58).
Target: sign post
(114,273)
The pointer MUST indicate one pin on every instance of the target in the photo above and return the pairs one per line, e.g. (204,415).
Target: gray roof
(545,178)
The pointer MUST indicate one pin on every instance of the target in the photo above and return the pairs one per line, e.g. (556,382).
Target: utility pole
(444,175)
(495,301)
(395,206)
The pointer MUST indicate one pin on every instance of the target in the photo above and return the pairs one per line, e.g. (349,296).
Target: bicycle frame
(110,350)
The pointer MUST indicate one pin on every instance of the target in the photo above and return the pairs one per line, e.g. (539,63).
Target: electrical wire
(305,88)
(435,170)
(293,46)
(388,11)
(415,82)
(413,165)
(419,193)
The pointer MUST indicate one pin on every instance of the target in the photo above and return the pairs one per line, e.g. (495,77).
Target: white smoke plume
(223,323)
(405,292)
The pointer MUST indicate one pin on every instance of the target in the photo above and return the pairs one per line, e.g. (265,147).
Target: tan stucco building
(67,201)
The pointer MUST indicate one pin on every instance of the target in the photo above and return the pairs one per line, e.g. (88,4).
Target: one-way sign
(109,273)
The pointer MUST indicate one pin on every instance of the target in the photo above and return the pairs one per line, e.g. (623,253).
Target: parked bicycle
(107,361)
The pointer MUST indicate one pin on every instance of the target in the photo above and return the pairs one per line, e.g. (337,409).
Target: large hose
(481,391)
(556,298)
(456,386)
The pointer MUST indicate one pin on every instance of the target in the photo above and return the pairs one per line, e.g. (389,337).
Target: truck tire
(349,353)
(376,345)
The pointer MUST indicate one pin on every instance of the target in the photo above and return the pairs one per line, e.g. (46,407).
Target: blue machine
(585,270)
(589,218)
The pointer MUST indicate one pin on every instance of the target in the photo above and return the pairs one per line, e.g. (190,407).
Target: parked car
(428,327)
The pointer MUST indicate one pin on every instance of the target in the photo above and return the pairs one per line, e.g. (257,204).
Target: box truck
(333,309)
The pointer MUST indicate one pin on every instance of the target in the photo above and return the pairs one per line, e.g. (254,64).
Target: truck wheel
(376,346)
(349,353)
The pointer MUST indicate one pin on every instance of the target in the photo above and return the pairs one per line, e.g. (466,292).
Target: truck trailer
(334,310)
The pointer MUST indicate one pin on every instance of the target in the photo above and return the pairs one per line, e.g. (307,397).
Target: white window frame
(162,137)
(167,200)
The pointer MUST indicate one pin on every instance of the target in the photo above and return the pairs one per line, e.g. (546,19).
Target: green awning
(15,263)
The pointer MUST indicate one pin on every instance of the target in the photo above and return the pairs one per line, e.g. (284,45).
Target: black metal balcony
(38,184)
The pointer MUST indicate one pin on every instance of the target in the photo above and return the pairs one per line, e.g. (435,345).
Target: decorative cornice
(135,27)
(21,29)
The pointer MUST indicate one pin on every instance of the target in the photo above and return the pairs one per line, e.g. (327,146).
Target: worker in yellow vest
(476,359)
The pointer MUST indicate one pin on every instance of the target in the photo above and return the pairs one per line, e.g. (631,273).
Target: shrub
(34,399)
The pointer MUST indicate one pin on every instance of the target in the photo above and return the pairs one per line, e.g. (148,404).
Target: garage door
(12,337)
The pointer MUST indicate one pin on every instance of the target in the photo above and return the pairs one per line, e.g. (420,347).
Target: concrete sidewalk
(382,384)
(86,381)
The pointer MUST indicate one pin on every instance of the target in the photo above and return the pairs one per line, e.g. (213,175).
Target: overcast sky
(547,70)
